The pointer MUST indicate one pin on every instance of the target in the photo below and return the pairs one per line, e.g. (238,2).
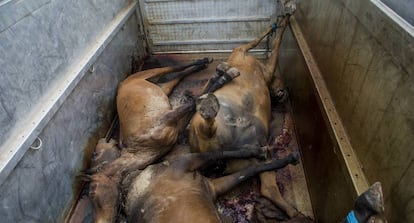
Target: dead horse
(173,191)
(149,128)
(238,114)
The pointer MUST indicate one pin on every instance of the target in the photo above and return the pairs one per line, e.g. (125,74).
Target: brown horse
(149,127)
(238,114)
(173,191)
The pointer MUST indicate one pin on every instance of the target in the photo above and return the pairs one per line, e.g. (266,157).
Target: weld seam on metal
(27,130)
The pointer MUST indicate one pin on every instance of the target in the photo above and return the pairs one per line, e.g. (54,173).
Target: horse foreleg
(223,184)
(194,161)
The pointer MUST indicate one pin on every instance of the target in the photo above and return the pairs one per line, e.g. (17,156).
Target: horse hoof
(294,158)
(263,153)
(222,68)
(233,72)
(207,106)
(372,199)
(280,96)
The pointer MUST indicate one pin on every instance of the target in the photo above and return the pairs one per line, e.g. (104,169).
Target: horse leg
(273,80)
(105,153)
(103,193)
(175,115)
(246,47)
(204,125)
(105,185)
(272,62)
(223,184)
(224,74)
(194,161)
(270,190)
(157,72)
(168,84)
(368,204)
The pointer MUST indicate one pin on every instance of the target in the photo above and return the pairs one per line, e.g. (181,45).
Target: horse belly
(140,106)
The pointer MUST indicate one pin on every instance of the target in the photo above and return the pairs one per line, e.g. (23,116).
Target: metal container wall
(60,64)
(204,26)
(365,53)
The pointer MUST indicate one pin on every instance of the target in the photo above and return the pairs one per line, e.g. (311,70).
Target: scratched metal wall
(204,25)
(60,62)
(367,60)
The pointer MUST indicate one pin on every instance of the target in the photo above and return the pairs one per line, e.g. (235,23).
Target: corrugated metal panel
(205,25)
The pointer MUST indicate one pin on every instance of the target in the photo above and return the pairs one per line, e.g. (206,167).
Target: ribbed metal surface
(204,25)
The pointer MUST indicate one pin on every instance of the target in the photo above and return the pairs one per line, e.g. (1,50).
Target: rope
(274,27)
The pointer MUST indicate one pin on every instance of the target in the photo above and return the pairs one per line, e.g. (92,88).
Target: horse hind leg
(270,190)
(159,72)
(207,106)
(224,74)
(167,83)
(271,64)
(255,42)
(175,115)
(203,122)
